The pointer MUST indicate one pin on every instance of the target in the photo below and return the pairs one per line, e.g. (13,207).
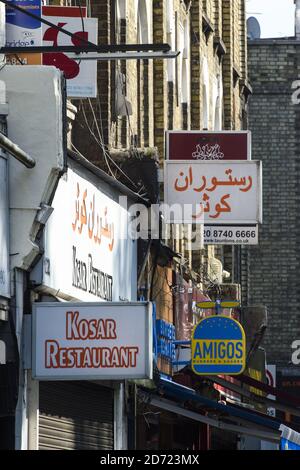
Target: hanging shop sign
(165,340)
(4,230)
(222,192)
(256,369)
(88,253)
(218,347)
(182,307)
(23,31)
(255,321)
(85,341)
(197,145)
(81,75)
(230,235)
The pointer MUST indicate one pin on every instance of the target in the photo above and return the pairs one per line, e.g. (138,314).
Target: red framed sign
(205,145)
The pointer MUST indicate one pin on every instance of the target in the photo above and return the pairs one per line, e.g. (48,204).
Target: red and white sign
(90,341)
(218,192)
(56,10)
(198,145)
(81,76)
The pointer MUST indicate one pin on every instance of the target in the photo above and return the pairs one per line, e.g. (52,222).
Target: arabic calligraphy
(94,223)
(208,152)
(186,181)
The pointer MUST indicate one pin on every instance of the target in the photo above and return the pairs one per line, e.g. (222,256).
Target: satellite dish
(253,28)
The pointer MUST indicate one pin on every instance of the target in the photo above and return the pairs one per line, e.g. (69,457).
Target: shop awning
(279,404)
(268,389)
(183,393)
(290,440)
(173,407)
(173,397)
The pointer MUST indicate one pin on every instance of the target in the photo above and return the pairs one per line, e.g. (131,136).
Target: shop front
(81,355)
(8,350)
(79,403)
(208,392)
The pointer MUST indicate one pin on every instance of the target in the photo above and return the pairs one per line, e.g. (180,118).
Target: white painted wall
(35,123)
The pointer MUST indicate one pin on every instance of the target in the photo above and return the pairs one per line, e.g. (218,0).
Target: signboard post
(92,341)
(271,377)
(4,229)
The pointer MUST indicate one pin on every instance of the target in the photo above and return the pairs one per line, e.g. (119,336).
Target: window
(205,94)
(142,23)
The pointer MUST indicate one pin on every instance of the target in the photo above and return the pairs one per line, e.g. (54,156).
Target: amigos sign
(218,347)
(85,341)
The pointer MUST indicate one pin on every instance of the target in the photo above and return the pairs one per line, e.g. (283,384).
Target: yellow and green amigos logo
(218,346)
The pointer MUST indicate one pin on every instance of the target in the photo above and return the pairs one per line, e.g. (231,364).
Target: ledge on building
(207,26)
(245,89)
(141,166)
(3,312)
(219,46)
(188,4)
(116,183)
(236,75)
(122,154)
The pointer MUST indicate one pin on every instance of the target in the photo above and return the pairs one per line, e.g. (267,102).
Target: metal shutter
(75,415)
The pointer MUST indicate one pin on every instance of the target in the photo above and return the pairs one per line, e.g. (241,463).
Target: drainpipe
(16,151)
(297,19)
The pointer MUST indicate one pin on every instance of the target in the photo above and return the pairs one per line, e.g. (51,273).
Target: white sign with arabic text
(220,192)
(88,255)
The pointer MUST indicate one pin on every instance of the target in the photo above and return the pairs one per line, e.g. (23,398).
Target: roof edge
(105,177)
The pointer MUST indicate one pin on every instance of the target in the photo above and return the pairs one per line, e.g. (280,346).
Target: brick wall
(156,99)
(273,266)
(146,86)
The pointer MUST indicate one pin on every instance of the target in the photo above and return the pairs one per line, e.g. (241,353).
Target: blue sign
(285,444)
(21,29)
(290,439)
(218,346)
(17,18)
(165,337)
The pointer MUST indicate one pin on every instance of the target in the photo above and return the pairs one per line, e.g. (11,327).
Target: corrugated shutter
(75,415)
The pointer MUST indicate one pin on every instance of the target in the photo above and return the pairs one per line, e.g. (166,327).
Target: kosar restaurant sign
(92,341)
(221,192)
